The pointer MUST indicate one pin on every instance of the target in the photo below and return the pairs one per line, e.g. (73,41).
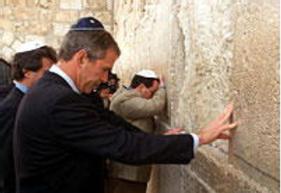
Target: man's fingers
(228,111)
(225,115)
(228,126)
(223,136)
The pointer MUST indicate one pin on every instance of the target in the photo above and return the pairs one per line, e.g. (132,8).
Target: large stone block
(212,167)
(255,82)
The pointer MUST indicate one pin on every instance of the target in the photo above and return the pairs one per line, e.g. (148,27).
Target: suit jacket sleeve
(116,120)
(79,127)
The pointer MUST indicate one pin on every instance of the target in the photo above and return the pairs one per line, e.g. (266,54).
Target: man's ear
(27,73)
(46,63)
(141,87)
(79,57)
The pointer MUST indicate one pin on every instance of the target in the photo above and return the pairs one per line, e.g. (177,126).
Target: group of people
(66,115)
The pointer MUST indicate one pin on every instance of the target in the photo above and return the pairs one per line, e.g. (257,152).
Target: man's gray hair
(95,43)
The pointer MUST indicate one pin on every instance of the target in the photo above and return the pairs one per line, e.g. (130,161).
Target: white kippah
(31,45)
(147,74)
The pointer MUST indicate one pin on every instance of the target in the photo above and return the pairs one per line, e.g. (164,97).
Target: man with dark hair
(29,64)
(113,82)
(145,77)
(59,147)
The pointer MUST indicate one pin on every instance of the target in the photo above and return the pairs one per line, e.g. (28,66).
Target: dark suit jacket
(60,139)
(5,90)
(8,109)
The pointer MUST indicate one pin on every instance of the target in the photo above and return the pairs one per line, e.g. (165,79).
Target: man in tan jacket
(138,104)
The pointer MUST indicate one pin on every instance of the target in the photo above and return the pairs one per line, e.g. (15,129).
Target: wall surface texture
(210,53)
(47,20)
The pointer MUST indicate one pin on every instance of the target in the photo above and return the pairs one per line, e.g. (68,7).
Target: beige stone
(8,38)
(104,16)
(74,4)
(97,4)
(7,25)
(2,3)
(66,16)
(16,45)
(16,2)
(60,29)
(7,53)
(34,37)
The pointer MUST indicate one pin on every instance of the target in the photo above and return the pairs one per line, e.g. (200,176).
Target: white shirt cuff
(195,142)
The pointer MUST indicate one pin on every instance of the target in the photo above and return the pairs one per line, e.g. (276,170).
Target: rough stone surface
(44,19)
(211,53)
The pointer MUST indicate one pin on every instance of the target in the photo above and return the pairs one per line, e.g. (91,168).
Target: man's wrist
(196,141)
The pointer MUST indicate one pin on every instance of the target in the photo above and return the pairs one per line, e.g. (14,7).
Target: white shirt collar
(56,69)
(23,88)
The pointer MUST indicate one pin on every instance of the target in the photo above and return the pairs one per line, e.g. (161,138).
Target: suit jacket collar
(56,69)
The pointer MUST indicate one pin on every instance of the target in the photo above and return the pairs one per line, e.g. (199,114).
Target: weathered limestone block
(255,82)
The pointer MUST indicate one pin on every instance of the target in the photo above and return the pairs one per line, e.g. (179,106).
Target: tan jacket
(140,112)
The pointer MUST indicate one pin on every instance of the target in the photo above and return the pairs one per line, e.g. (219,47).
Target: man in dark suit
(60,137)
(29,64)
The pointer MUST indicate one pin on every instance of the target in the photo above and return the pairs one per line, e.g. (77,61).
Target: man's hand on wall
(215,129)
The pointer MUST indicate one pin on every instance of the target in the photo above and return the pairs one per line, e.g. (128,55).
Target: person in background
(101,96)
(29,64)
(138,104)
(113,82)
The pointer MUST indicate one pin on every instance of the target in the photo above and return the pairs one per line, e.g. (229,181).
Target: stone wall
(48,20)
(211,52)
